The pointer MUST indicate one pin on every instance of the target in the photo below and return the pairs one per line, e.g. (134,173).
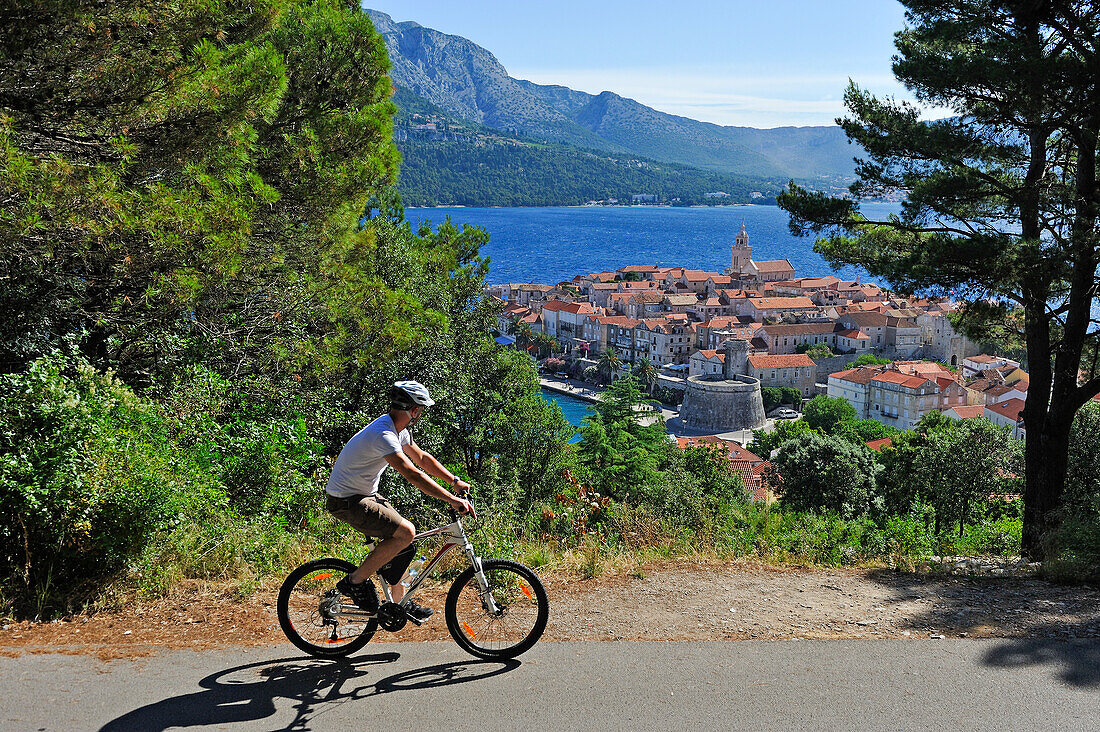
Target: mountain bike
(496,608)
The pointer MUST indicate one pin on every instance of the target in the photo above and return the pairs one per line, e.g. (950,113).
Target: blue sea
(574,410)
(548,245)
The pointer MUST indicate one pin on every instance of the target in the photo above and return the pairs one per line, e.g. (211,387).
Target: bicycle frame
(455,537)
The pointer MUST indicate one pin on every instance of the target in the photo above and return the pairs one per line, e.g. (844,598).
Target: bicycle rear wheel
(517,622)
(309,611)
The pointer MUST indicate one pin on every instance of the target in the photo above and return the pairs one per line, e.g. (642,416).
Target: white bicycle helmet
(409,394)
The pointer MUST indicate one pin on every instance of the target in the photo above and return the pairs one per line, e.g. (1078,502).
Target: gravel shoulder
(659,602)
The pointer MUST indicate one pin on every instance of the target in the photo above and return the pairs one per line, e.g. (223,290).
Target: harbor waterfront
(573,408)
(574,397)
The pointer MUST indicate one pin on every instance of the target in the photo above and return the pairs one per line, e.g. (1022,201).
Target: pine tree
(1001,199)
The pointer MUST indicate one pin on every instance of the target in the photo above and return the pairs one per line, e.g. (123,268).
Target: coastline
(568,387)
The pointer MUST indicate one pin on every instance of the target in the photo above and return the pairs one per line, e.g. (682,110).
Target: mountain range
(464,81)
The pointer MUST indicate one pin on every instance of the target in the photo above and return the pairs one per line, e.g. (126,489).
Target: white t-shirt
(360,464)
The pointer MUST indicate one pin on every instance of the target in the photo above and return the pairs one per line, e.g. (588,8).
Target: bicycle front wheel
(310,611)
(505,621)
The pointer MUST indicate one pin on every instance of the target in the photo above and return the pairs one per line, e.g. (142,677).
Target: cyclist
(352,492)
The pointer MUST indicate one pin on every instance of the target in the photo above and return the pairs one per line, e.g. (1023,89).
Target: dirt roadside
(672,601)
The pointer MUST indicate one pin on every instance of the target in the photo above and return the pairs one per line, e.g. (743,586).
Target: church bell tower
(740,253)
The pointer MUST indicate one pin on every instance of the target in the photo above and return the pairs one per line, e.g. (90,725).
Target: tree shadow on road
(250,692)
(1028,622)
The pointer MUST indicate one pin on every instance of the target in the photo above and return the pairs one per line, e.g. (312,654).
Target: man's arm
(427,462)
(402,464)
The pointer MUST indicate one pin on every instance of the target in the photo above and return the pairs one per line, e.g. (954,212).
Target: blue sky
(766,63)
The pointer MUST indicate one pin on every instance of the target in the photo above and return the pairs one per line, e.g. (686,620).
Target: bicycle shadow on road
(250,692)
(1020,609)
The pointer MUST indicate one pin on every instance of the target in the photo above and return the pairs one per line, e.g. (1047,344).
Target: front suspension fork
(487,599)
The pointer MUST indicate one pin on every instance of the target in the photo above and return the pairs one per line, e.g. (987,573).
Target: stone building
(796,371)
(725,402)
(744,267)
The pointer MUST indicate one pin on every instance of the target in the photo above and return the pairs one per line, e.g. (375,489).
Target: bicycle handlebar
(467,496)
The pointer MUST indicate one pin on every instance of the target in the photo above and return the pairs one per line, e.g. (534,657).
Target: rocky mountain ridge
(466,80)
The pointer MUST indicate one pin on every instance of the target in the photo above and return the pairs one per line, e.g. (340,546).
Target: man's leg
(383,552)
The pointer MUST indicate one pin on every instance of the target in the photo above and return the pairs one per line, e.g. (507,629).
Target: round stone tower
(727,402)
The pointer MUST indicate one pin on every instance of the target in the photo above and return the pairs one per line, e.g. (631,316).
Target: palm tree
(545,344)
(523,333)
(610,363)
(647,373)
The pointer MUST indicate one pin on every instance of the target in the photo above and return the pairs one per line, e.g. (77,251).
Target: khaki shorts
(370,515)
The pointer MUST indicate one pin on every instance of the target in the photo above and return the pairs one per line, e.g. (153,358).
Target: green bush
(792,396)
(822,472)
(87,474)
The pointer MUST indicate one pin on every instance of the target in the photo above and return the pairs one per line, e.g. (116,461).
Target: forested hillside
(450,161)
(506,174)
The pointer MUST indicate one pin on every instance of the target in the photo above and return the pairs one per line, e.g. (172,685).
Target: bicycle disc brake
(392,617)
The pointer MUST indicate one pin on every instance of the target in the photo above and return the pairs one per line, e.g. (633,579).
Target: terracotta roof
(721,279)
(578,308)
(1002,389)
(794,360)
(982,358)
(1010,409)
(711,353)
(981,384)
(711,302)
(604,286)
(773,265)
(781,303)
(817,281)
(733,449)
(967,411)
(638,268)
(699,275)
(762,473)
(569,307)
(893,377)
(860,375)
(856,334)
(619,320)
(878,445)
(926,368)
(643,285)
(728,321)
(1002,371)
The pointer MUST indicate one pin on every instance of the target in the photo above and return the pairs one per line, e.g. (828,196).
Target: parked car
(786,413)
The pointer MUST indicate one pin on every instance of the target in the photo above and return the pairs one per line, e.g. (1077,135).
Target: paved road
(827,685)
